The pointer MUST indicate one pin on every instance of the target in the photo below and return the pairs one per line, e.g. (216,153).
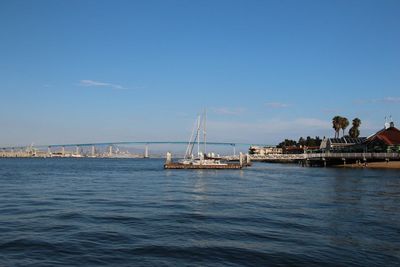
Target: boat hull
(204,166)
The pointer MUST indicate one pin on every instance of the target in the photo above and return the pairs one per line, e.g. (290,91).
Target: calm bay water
(110,212)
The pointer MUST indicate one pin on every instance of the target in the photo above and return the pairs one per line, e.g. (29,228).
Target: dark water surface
(109,212)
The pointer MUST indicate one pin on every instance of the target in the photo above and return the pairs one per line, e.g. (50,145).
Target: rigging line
(187,154)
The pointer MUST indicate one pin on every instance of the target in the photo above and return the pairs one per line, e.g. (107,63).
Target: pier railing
(272,157)
(364,156)
(321,156)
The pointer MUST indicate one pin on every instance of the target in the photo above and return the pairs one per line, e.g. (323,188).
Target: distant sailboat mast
(195,138)
(198,135)
(189,148)
(205,131)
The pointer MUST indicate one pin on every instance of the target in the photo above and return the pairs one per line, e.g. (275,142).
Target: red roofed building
(386,140)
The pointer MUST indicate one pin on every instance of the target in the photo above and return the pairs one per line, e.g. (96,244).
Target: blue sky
(87,71)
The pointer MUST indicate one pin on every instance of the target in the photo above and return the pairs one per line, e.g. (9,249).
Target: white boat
(201,160)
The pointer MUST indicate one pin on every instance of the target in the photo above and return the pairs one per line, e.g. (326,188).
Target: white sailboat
(201,158)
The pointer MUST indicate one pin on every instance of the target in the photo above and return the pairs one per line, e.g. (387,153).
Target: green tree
(318,141)
(302,141)
(308,142)
(286,143)
(336,125)
(344,122)
(357,122)
(354,132)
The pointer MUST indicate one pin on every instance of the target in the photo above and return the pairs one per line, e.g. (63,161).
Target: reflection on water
(199,189)
(358,217)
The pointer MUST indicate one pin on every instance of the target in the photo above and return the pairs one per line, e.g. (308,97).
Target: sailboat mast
(189,148)
(205,131)
(198,135)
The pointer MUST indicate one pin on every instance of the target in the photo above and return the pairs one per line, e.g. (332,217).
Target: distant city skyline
(94,71)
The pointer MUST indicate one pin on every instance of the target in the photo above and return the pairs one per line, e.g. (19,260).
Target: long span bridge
(27,150)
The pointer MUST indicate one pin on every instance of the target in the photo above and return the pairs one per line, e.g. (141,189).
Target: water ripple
(105,212)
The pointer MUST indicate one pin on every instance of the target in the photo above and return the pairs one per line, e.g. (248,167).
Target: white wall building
(266,150)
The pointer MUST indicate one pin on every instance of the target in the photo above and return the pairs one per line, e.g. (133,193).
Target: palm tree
(344,122)
(357,122)
(336,125)
(354,131)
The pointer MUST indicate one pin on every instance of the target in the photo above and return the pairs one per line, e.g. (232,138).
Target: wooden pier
(323,159)
(331,158)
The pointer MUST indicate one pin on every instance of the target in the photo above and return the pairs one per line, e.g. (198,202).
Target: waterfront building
(386,140)
(293,149)
(266,150)
(335,144)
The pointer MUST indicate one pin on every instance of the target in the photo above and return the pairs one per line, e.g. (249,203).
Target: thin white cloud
(391,99)
(277,105)
(228,111)
(91,83)
(385,100)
